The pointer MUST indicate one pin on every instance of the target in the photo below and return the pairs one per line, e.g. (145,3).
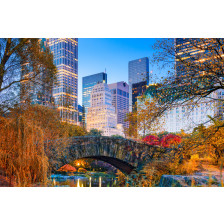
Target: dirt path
(213,171)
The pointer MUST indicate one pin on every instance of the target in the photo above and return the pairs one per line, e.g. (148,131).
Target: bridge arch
(125,154)
(123,166)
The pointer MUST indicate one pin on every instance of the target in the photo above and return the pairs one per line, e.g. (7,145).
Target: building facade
(138,89)
(138,71)
(80,115)
(101,114)
(88,82)
(36,90)
(186,115)
(65,92)
(120,100)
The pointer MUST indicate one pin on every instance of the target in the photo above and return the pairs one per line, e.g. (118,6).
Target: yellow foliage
(195,157)
(25,143)
(190,167)
(22,155)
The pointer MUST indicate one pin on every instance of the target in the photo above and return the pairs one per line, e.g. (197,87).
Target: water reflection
(78,184)
(84,180)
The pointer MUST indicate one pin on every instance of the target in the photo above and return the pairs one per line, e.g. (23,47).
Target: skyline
(113,54)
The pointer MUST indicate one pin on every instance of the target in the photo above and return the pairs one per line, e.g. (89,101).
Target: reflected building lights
(78,184)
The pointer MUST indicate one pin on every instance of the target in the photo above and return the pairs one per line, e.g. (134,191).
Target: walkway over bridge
(125,154)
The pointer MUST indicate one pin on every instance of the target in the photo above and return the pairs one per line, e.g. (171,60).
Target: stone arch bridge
(125,154)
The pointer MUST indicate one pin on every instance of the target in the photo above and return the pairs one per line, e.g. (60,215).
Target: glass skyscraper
(138,89)
(120,100)
(138,71)
(80,113)
(65,93)
(88,82)
(191,52)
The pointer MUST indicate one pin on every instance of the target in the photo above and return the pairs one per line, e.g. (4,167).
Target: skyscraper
(65,51)
(138,89)
(120,100)
(88,82)
(80,115)
(101,114)
(138,71)
(39,89)
(195,56)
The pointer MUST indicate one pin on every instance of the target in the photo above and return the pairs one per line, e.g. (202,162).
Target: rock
(187,181)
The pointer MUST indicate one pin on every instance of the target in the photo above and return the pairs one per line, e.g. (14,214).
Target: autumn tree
(144,120)
(71,130)
(33,141)
(207,141)
(26,66)
(22,155)
(95,132)
(131,118)
(151,140)
(147,120)
(170,140)
(194,72)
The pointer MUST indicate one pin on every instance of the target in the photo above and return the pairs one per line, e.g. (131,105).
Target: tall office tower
(198,66)
(80,115)
(138,89)
(194,56)
(88,82)
(184,50)
(120,100)
(36,90)
(101,115)
(65,51)
(138,71)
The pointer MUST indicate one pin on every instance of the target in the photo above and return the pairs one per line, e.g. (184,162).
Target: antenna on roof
(105,70)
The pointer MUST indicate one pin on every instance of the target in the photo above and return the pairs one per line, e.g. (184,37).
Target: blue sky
(113,54)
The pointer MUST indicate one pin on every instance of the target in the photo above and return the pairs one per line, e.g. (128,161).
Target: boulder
(188,181)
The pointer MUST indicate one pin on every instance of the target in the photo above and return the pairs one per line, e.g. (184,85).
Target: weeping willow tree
(33,143)
(22,155)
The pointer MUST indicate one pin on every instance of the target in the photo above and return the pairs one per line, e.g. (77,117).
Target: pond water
(90,179)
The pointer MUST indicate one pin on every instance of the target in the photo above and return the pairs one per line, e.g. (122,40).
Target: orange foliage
(67,168)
